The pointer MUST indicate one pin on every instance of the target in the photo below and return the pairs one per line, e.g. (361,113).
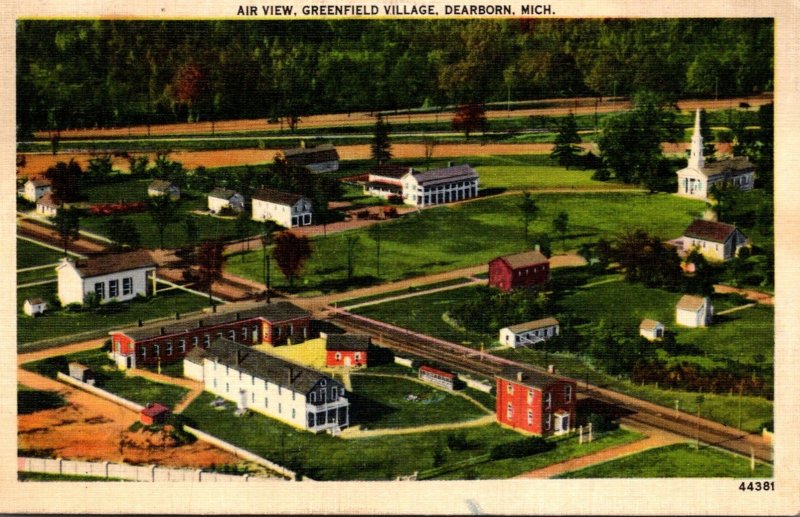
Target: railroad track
(487,365)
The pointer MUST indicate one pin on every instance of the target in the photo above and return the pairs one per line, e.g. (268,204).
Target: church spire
(696,159)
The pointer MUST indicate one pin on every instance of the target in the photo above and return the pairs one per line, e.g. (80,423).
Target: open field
(107,377)
(63,323)
(323,457)
(679,460)
(538,177)
(452,237)
(30,254)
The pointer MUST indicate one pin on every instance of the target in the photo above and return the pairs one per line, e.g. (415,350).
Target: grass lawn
(324,457)
(107,377)
(679,460)
(746,335)
(127,190)
(36,275)
(407,290)
(30,400)
(381,402)
(63,323)
(30,254)
(512,175)
(451,237)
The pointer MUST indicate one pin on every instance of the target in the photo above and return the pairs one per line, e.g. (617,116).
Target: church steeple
(696,158)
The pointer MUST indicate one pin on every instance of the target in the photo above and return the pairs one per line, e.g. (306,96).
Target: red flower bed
(117,208)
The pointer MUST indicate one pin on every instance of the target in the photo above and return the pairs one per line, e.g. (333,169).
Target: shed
(651,330)
(694,311)
(34,306)
(81,372)
(154,413)
(436,376)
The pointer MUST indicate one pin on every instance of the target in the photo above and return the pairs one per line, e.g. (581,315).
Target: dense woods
(103,73)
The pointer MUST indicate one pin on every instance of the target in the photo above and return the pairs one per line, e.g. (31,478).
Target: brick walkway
(655,438)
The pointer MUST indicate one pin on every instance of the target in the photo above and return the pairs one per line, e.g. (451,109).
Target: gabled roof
(155,409)
(195,355)
(530,378)
(34,301)
(532,325)
(276,370)
(431,369)
(161,185)
(347,342)
(114,263)
(390,170)
(525,259)
(690,302)
(48,199)
(709,230)
(310,155)
(272,312)
(647,324)
(222,193)
(40,182)
(727,167)
(445,175)
(276,196)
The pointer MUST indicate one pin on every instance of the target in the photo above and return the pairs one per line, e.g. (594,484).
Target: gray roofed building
(533,325)
(113,263)
(527,377)
(445,175)
(160,185)
(222,193)
(277,196)
(355,342)
(273,312)
(276,370)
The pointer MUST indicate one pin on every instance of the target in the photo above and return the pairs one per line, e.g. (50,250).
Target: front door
(347,360)
(561,423)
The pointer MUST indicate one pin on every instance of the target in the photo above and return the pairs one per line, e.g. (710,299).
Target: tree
(376,232)
(138,166)
(351,244)
(528,212)
(268,228)
(163,211)
(210,258)
(430,144)
(470,118)
(647,259)
(191,229)
(291,252)
(191,89)
(381,148)
(123,232)
(242,228)
(66,180)
(631,142)
(67,224)
(100,168)
(564,148)
(560,225)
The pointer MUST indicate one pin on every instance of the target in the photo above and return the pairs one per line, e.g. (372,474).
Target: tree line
(111,73)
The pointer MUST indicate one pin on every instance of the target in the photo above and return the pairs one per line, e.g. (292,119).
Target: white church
(698,177)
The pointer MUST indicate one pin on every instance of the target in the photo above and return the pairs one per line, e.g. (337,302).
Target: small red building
(164,343)
(535,402)
(346,350)
(154,413)
(527,269)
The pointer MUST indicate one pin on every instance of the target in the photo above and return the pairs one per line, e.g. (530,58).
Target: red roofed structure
(527,269)
(154,413)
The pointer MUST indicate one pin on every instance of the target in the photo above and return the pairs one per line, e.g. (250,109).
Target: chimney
(141,323)
(551,368)
(519,376)
(538,248)
(163,331)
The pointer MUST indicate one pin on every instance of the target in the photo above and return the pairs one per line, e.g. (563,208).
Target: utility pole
(677,405)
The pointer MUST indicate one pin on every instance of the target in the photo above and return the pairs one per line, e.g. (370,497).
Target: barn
(528,269)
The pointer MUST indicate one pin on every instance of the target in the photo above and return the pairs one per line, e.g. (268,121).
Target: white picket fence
(115,471)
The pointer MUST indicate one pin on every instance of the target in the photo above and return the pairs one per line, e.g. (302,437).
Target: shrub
(602,423)
(395,199)
(520,448)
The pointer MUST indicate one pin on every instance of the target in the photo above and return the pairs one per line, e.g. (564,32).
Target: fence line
(45,245)
(133,406)
(124,471)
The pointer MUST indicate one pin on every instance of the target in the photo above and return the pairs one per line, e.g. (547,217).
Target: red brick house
(527,269)
(346,350)
(534,402)
(154,413)
(163,343)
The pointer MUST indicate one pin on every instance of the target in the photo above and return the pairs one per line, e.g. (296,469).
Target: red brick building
(346,350)
(535,402)
(163,343)
(527,269)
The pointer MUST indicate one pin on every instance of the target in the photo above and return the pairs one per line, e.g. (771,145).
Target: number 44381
(757,486)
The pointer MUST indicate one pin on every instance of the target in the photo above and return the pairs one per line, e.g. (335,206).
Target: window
(338,356)
(143,352)
(207,340)
(530,396)
(333,394)
(277,332)
(127,285)
(227,387)
(244,333)
(195,341)
(219,334)
(100,289)
(313,397)
(294,414)
(156,351)
(255,333)
(568,392)
(279,407)
(169,347)
(293,395)
(530,417)
(510,388)
(509,411)
(232,335)
(215,383)
(252,397)
(113,288)
(358,356)
(547,421)
(291,329)
(322,382)
(279,390)
(548,399)
(266,402)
